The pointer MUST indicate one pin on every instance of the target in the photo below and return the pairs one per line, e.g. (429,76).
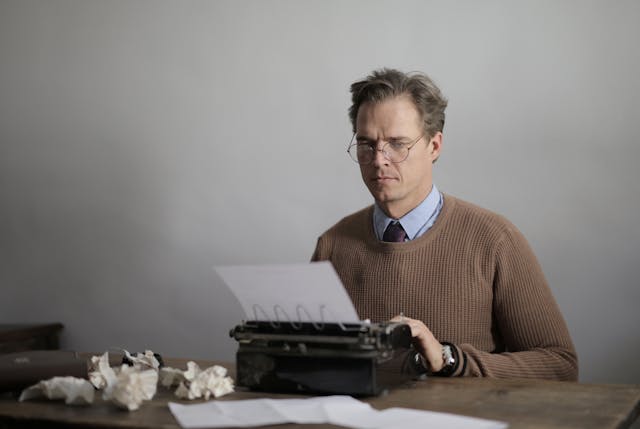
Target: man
(473,292)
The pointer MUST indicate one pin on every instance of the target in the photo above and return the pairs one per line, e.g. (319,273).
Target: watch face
(449,360)
(447,355)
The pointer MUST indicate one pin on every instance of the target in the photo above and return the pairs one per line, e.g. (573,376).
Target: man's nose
(379,157)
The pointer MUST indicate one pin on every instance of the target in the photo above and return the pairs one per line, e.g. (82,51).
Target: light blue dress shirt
(416,222)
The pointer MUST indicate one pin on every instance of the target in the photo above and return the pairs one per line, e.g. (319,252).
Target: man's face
(397,187)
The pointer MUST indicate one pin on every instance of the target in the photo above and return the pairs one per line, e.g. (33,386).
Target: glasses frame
(353,144)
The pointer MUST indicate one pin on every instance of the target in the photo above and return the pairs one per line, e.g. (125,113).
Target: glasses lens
(361,153)
(396,152)
(365,153)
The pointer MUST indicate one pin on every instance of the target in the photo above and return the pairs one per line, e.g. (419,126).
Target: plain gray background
(143,142)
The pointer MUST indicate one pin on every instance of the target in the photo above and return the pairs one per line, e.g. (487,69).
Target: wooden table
(521,403)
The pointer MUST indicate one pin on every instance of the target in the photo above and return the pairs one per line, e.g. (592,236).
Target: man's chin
(382,198)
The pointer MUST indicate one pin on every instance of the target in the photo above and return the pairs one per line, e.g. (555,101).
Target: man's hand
(424,341)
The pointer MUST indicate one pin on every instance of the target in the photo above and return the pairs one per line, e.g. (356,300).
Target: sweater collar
(416,222)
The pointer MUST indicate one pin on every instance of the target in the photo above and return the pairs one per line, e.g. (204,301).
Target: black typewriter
(329,358)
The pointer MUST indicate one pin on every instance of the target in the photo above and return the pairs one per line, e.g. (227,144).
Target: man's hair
(388,83)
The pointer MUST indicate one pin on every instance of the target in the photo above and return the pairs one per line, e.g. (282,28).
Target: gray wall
(143,142)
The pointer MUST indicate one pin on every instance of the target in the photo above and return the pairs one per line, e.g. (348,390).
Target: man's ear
(435,146)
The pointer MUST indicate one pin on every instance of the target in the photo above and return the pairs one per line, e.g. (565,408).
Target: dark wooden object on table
(21,337)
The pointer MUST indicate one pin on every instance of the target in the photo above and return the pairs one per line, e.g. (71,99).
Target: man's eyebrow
(388,139)
(364,138)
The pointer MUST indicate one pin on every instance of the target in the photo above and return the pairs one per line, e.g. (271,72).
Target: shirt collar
(413,221)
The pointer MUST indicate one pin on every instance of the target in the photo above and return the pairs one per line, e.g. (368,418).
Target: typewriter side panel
(306,374)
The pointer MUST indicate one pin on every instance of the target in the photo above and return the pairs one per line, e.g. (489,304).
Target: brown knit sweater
(472,279)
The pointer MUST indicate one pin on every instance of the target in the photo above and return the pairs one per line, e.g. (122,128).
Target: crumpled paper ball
(132,387)
(146,360)
(101,375)
(74,391)
(128,385)
(196,383)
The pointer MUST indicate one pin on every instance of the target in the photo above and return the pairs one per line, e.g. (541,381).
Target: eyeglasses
(365,152)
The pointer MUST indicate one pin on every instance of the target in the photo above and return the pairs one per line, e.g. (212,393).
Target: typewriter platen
(356,359)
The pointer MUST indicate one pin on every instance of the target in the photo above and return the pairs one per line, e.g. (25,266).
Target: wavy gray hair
(387,83)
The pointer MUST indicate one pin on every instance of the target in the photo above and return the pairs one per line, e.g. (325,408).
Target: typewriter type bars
(328,339)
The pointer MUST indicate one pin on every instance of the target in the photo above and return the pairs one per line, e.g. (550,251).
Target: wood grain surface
(521,403)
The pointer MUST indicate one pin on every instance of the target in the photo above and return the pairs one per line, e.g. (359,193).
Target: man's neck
(394,212)
(401,208)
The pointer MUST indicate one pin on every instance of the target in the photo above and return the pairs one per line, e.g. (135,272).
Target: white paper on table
(312,410)
(214,414)
(402,418)
(251,412)
(254,412)
(339,410)
(203,415)
(294,292)
(350,413)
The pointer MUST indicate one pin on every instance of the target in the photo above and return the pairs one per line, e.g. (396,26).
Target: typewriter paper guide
(298,292)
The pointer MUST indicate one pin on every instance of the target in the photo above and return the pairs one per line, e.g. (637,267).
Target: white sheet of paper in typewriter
(310,292)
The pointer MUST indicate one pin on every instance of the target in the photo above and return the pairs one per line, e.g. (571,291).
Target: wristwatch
(449,359)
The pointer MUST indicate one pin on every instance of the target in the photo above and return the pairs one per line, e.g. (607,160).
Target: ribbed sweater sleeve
(472,279)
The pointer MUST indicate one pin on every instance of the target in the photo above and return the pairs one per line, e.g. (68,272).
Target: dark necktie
(394,233)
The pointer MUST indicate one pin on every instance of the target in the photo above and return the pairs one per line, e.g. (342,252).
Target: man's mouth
(383,179)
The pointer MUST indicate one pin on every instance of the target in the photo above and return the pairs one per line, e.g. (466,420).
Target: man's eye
(396,145)
(364,145)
